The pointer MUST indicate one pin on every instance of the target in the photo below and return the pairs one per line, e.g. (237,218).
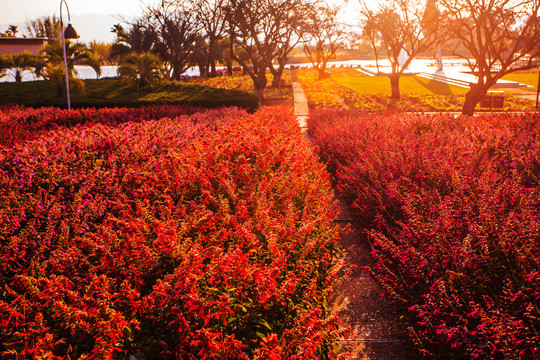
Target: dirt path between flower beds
(377,332)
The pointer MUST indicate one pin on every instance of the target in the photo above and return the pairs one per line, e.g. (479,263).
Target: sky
(93,19)
(17,11)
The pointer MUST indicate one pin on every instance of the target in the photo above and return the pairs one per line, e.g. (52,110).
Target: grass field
(364,84)
(348,88)
(528,78)
(112,92)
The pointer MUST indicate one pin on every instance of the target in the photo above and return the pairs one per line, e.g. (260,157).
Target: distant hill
(89,27)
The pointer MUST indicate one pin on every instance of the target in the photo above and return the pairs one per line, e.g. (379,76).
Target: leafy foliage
(451,207)
(144,69)
(204,236)
(18,63)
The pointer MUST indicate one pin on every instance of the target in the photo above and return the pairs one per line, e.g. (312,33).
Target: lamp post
(68,33)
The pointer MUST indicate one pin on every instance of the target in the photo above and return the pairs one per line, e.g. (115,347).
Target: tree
(144,69)
(501,36)
(369,31)
(53,68)
(174,31)
(121,47)
(98,55)
(290,27)
(19,63)
(254,31)
(200,55)
(211,15)
(405,31)
(10,32)
(168,30)
(138,38)
(45,26)
(323,37)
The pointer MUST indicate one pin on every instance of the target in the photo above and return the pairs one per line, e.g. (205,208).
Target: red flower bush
(205,236)
(452,209)
(19,123)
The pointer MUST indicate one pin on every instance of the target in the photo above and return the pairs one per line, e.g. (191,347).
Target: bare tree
(172,31)
(211,16)
(405,31)
(290,17)
(254,33)
(501,36)
(323,37)
(370,32)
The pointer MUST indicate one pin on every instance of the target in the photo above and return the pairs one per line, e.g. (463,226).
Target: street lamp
(68,33)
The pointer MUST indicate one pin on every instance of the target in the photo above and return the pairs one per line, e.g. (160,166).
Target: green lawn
(114,92)
(364,84)
(528,78)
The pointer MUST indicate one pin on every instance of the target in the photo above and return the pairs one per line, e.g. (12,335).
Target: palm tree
(95,60)
(75,52)
(144,68)
(53,67)
(3,67)
(19,63)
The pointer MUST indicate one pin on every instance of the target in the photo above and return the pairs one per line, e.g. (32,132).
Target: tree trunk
(473,97)
(277,74)
(394,83)
(59,90)
(259,83)
(260,93)
(175,72)
(213,68)
(276,80)
(211,57)
(203,68)
(323,74)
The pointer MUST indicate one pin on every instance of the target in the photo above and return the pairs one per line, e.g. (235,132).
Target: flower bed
(452,210)
(204,236)
(18,124)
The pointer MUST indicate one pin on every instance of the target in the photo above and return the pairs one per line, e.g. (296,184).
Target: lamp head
(70,33)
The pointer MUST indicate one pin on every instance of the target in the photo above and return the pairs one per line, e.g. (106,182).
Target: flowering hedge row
(20,123)
(452,210)
(202,237)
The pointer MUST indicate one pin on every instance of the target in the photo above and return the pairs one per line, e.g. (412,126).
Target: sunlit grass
(347,88)
(364,84)
(527,78)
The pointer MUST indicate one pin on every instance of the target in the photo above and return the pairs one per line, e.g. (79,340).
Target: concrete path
(300,105)
(377,333)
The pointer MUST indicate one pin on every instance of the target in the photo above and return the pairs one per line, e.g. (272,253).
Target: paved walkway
(300,106)
(377,333)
